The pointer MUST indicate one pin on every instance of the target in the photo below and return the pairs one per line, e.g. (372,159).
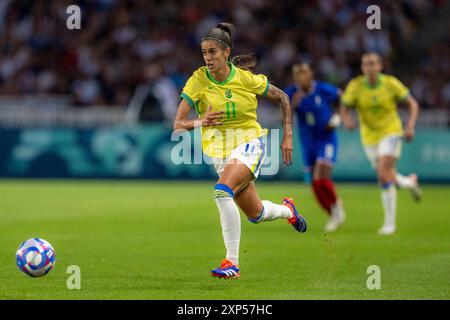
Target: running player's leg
(389,152)
(310,169)
(383,157)
(386,177)
(410,182)
(236,182)
(248,200)
(233,177)
(323,189)
(258,211)
(322,170)
(407,182)
(322,180)
(392,145)
(324,162)
(239,170)
(239,178)
(310,156)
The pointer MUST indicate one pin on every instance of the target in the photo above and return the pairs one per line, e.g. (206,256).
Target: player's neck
(306,88)
(373,80)
(221,75)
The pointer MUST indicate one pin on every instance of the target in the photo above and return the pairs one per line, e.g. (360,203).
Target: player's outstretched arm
(183,123)
(413,107)
(277,95)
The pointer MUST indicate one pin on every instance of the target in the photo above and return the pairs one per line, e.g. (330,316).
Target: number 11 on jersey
(231,109)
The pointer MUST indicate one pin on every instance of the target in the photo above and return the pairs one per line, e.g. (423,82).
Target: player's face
(214,55)
(371,65)
(302,75)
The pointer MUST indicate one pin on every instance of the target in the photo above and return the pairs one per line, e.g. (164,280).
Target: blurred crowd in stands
(127,49)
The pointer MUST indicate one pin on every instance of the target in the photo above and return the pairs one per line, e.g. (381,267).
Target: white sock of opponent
(389,199)
(404,181)
(230,221)
(272,211)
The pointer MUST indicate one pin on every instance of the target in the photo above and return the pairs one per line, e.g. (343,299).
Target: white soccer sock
(230,221)
(389,199)
(272,211)
(404,181)
(337,210)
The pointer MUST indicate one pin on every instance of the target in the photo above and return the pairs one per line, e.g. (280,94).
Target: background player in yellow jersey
(223,93)
(374,95)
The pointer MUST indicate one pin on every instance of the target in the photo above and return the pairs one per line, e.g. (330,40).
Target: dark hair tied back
(244,61)
(222,33)
(228,28)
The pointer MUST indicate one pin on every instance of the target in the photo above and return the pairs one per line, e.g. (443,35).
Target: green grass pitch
(159,240)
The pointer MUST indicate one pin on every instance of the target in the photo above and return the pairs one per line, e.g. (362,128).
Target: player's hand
(286,149)
(349,123)
(334,122)
(212,118)
(409,134)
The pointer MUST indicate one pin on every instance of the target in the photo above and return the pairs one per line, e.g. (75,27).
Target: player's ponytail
(223,34)
(244,61)
(227,28)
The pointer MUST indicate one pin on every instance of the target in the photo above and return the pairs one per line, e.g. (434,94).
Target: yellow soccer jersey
(236,97)
(376,106)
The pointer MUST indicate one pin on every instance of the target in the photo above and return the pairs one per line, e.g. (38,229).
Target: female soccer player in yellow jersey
(375,96)
(223,93)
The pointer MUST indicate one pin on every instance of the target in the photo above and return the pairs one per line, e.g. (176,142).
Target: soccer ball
(35,257)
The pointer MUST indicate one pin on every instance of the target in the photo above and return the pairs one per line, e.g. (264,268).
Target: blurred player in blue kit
(314,103)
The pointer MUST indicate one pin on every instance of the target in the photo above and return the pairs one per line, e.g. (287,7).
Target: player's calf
(271,211)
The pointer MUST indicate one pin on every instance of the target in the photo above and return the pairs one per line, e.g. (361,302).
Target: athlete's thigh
(386,164)
(236,175)
(389,150)
(248,199)
(390,146)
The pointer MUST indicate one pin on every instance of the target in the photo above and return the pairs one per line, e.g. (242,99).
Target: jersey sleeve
(191,91)
(256,83)
(401,92)
(349,96)
(331,93)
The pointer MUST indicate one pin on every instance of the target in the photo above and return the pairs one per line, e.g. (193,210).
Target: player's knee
(256,215)
(253,214)
(384,177)
(222,191)
(322,171)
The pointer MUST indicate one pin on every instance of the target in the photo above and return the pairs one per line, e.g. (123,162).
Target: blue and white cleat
(297,221)
(227,270)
